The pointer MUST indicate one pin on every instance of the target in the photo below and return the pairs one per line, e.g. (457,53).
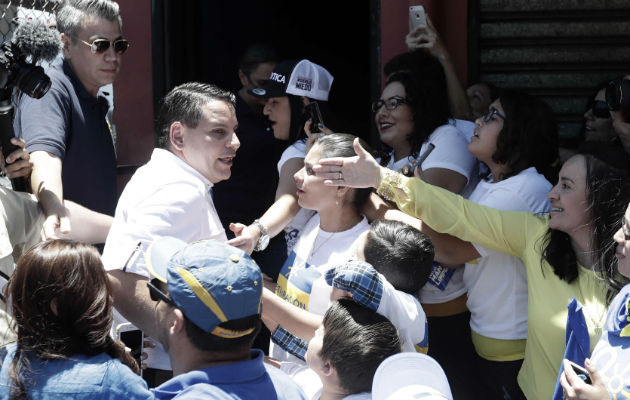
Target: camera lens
(33,81)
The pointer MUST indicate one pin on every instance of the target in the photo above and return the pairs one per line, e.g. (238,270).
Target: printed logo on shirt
(304,84)
(440,276)
(295,281)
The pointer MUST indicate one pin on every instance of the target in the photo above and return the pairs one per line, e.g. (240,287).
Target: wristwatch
(263,240)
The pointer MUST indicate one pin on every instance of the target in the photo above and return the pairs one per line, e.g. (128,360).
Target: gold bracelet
(392,180)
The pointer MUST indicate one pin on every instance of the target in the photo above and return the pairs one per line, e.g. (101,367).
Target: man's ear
(328,369)
(176,135)
(242,77)
(66,42)
(178,322)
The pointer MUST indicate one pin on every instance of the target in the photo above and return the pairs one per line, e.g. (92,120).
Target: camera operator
(69,140)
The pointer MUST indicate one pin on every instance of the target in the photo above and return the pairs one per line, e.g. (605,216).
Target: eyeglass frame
(157,294)
(487,116)
(111,43)
(378,104)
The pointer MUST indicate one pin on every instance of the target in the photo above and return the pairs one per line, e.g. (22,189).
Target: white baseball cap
(410,376)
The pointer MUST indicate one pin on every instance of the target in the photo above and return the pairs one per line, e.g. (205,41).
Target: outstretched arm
(277,216)
(427,37)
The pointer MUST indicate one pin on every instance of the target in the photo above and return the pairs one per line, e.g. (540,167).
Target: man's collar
(76,82)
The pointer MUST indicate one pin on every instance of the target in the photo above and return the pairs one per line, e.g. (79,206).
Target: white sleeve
(406,314)
(296,150)
(169,211)
(451,151)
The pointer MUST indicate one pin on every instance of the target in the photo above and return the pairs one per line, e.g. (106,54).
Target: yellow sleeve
(446,212)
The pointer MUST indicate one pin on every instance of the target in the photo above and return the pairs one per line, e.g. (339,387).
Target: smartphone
(417,17)
(312,110)
(134,339)
(581,372)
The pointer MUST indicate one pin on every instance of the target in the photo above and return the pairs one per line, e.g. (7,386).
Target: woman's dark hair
(608,193)
(423,78)
(400,252)
(529,136)
(62,306)
(341,145)
(356,340)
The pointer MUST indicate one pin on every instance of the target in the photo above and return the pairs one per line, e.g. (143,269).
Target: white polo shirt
(165,197)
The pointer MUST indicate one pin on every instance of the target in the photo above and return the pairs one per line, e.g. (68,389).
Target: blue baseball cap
(210,281)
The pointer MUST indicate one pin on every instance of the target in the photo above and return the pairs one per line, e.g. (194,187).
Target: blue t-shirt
(611,355)
(70,123)
(79,377)
(251,379)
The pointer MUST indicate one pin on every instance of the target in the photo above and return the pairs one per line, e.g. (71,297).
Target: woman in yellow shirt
(566,254)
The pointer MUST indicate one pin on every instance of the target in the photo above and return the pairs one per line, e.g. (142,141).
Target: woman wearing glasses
(566,254)
(412,118)
(63,314)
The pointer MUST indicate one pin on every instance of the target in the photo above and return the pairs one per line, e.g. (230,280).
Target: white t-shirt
(165,197)
(497,282)
(310,383)
(301,280)
(406,314)
(293,228)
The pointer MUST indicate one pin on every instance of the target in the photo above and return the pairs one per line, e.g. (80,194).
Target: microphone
(37,40)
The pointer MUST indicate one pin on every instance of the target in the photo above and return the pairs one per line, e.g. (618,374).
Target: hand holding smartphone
(134,339)
(312,110)
(581,372)
(417,17)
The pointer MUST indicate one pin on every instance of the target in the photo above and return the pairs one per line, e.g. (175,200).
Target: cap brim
(413,370)
(267,92)
(159,253)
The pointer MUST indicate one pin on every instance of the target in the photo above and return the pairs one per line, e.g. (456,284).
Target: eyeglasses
(100,46)
(157,291)
(389,104)
(489,115)
(600,109)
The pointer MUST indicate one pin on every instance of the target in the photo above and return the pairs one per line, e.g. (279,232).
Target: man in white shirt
(170,195)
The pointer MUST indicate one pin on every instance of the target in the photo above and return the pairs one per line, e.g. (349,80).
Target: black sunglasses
(100,46)
(157,291)
(600,109)
(489,115)
(389,104)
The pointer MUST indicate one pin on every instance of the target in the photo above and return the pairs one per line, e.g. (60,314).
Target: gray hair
(72,13)
(184,103)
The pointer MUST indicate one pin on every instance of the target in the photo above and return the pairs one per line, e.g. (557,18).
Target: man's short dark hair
(72,13)
(255,55)
(356,340)
(400,252)
(208,342)
(184,104)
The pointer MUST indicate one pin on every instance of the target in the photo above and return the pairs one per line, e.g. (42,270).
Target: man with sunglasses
(209,300)
(66,131)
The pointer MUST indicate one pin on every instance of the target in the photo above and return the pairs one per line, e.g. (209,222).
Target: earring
(337,202)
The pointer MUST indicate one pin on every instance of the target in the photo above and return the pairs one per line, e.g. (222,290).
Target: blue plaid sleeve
(290,342)
(360,279)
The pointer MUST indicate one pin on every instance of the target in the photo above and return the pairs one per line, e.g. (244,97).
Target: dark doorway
(203,40)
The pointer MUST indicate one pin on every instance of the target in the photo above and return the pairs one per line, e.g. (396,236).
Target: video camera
(32,42)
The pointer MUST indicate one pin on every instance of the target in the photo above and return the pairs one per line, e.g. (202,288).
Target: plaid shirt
(360,279)
(290,342)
